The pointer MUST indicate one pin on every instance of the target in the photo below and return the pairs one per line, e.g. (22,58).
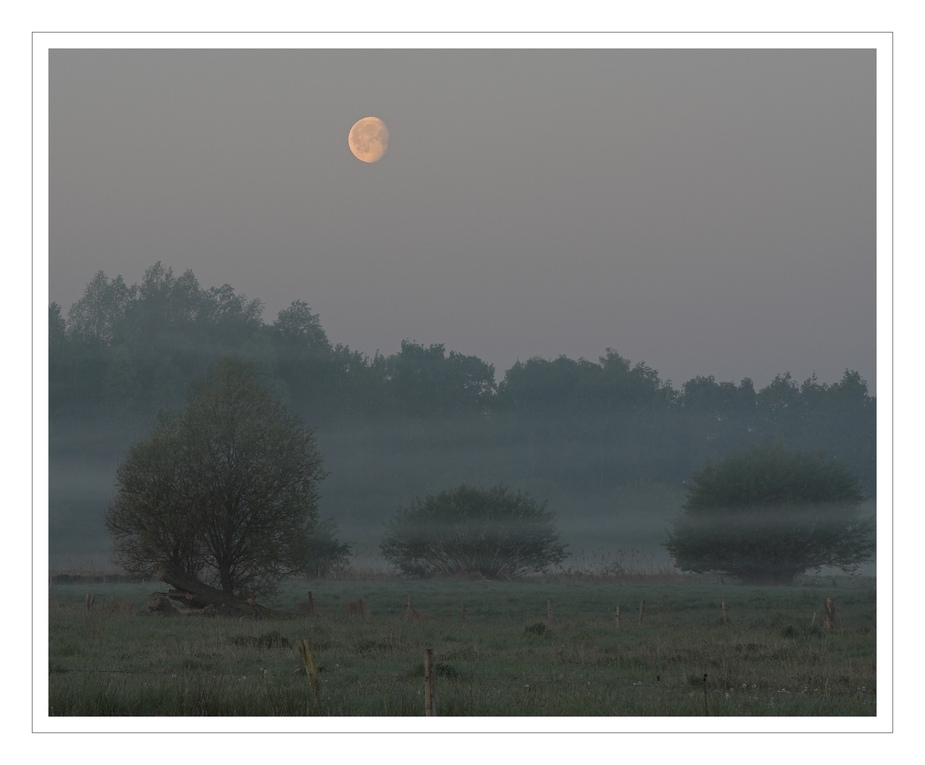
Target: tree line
(124,353)
(413,422)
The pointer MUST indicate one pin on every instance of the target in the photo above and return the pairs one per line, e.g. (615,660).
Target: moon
(368,139)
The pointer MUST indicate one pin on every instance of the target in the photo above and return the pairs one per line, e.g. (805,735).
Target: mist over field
(367,483)
(607,445)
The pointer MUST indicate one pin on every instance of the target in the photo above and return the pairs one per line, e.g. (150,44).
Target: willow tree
(226,491)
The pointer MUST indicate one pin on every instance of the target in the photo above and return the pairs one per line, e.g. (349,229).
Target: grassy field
(500,655)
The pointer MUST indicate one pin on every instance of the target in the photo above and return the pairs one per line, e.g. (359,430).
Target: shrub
(768,515)
(469,531)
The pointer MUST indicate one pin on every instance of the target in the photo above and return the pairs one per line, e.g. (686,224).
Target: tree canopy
(769,514)
(490,532)
(226,490)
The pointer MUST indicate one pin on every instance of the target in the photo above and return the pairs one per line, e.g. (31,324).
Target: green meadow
(547,648)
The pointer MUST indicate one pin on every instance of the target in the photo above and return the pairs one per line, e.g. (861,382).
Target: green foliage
(151,519)
(469,531)
(226,490)
(425,381)
(770,514)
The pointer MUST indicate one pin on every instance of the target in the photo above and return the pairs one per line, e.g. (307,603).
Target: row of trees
(226,490)
(123,353)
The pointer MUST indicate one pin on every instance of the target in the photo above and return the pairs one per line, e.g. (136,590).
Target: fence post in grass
(616,617)
(642,610)
(829,620)
(89,600)
(430,697)
(410,614)
(723,606)
(311,669)
(548,612)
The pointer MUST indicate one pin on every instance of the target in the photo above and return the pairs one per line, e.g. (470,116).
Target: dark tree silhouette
(226,490)
(489,532)
(769,514)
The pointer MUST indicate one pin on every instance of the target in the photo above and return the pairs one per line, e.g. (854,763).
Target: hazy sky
(704,211)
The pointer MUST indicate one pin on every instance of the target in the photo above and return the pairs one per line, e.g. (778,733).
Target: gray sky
(707,212)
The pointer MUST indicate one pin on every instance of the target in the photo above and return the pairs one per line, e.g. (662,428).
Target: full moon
(368,139)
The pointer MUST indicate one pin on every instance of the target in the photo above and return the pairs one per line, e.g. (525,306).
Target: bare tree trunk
(224,573)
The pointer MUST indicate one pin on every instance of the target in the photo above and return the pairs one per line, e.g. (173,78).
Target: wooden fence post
(410,614)
(616,617)
(642,610)
(829,621)
(723,605)
(430,694)
(311,669)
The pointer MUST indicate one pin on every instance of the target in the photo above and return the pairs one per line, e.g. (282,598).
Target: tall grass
(501,658)
(631,566)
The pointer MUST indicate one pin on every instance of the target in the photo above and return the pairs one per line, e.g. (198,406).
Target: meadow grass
(502,657)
